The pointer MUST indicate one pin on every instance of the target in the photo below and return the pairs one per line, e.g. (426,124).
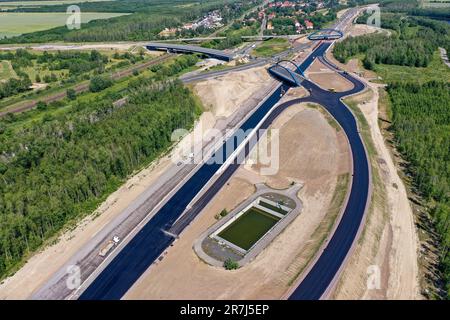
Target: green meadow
(17,23)
(270,47)
(6,70)
(436,70)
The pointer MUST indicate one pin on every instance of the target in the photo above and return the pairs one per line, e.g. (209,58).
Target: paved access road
(135,258)
(326,269)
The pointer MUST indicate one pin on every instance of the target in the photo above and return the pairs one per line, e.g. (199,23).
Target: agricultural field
(145,20)
(17,23)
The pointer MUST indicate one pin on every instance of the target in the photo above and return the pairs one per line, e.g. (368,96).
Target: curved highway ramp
(153,239)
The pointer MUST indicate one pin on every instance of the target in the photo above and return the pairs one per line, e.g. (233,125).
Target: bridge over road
(170,47)
(326,34)
(285,74)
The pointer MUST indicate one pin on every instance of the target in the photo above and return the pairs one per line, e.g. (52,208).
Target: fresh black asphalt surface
(152,240)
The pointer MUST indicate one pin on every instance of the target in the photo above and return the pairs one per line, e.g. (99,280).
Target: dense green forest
(412,43)
(421,123)
(150,18)
(59,168)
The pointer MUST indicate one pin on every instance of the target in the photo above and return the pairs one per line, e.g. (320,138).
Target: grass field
(6,71)
(16,23)
(271,47)
(249,228)
(436,70)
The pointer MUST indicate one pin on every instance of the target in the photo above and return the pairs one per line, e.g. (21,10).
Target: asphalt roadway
(152,240)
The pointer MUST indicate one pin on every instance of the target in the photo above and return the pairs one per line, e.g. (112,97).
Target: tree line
(57,169)
(148,19)
(14,86)
(74,61)
(413,43)
(421,123)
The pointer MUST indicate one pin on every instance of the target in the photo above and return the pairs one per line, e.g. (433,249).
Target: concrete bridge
(326,34)
(285,74)
(170,47)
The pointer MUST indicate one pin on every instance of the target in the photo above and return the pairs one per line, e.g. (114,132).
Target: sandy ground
(38,86)
(361,29)
(327,78)
(219,94)
(38,269)
(311,152)
(389,242)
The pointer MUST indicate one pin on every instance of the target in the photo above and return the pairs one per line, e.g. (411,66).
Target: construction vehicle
(109,246)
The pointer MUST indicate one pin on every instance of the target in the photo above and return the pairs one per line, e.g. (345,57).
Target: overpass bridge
(178,48)
(285,74)
(326,34)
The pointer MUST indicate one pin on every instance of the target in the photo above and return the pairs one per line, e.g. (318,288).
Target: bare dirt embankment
(384,263)
(312,152)
(327,78)
(40,267)
(225,94)
(362,29)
